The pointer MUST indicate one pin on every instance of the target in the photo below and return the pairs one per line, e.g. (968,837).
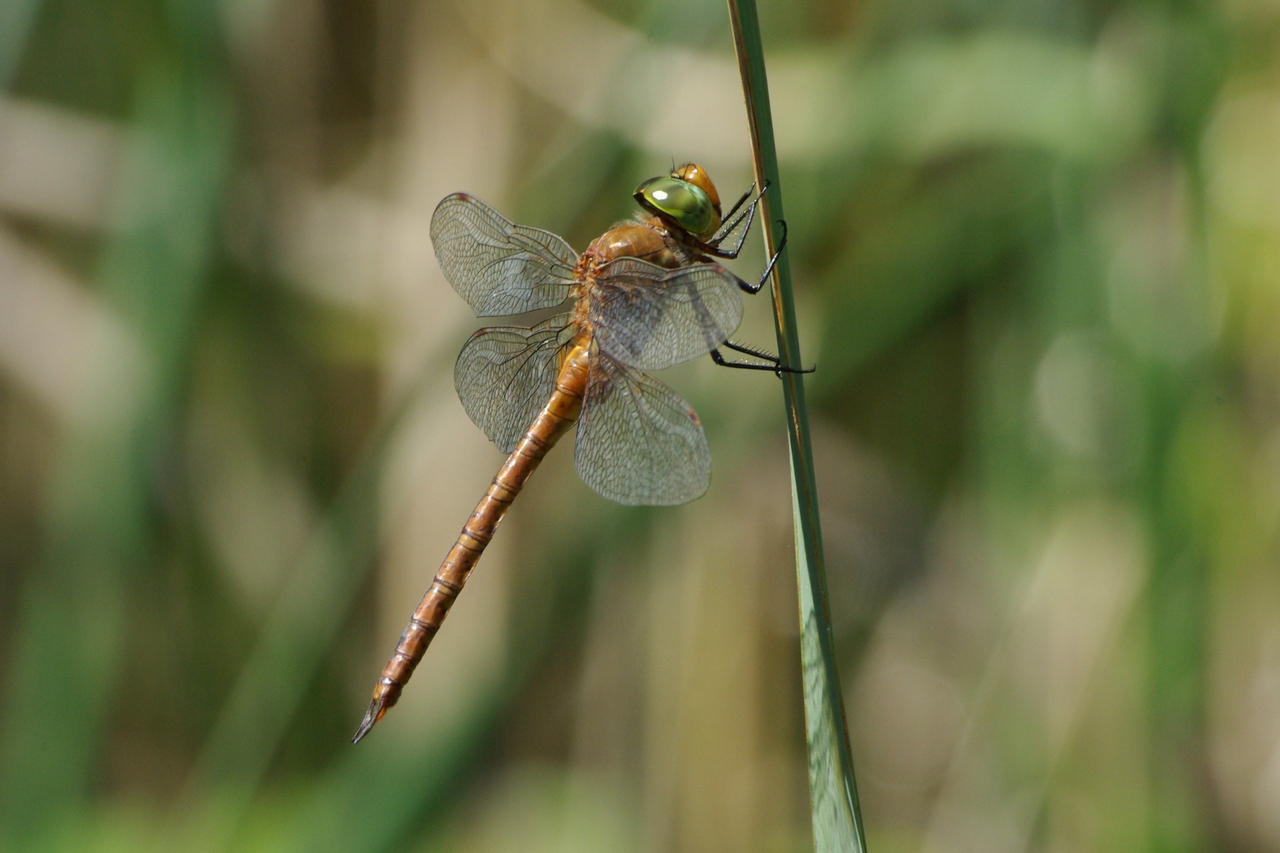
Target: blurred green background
(1037,252)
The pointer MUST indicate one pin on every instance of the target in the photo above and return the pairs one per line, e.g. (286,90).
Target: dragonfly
(645,295)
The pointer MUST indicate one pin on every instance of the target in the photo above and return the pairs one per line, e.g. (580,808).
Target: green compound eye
(680,201)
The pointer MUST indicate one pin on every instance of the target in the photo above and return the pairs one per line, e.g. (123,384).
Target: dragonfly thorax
(646,239)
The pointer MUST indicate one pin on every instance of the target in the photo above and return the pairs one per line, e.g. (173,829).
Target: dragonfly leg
(774,363)
(737,204)
(731,221)
(782,244)
(731,224)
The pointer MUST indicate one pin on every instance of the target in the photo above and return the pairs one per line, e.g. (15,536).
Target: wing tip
(452,197)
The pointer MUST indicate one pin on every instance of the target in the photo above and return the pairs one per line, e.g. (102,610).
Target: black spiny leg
(731,223)
(773,363)
(737,204)
(782,244)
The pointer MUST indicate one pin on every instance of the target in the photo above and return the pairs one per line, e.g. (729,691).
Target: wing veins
(528,354)
(638,442)
(499,267)
(651,318)
(505,375)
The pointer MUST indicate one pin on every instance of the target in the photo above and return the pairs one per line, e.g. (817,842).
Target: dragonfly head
(685,198)
(696,175)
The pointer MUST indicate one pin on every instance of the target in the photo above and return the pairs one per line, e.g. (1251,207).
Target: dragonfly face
(684,204)
(685,199)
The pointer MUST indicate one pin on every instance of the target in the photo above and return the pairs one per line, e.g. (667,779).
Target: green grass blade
(66,669)
(17,17)
(833,792)
(298,633)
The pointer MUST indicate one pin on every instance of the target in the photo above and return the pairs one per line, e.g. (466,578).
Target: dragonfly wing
(638,443)
(500,268)
(651,317)
(505,375)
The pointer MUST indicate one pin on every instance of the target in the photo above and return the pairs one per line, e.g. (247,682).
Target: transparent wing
(651,317)
(638,443)
(504,376)
(498,267)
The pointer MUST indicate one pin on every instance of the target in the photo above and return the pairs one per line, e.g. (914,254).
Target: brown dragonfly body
(645,297)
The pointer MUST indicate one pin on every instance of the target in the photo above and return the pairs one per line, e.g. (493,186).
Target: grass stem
(833,791)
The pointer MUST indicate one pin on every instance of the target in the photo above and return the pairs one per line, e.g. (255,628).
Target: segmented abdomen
(552,422)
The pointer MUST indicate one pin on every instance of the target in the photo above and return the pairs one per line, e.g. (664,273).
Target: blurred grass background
(1037,252)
